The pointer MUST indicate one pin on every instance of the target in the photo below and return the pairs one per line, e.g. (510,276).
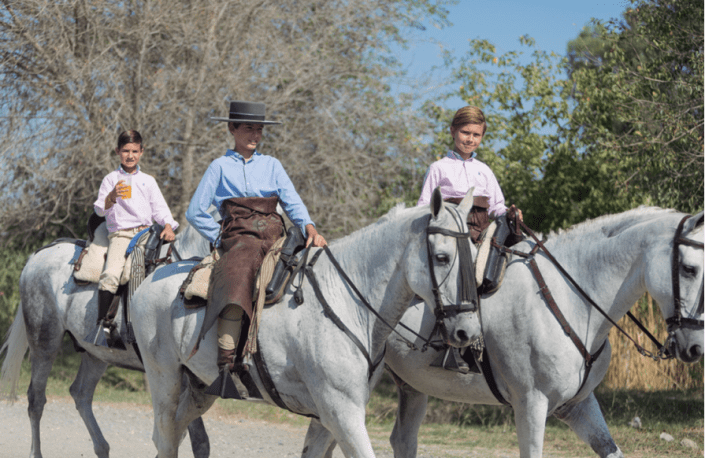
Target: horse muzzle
(686,343)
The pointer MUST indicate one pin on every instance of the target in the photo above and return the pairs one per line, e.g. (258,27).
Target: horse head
(449,262)
(676,283)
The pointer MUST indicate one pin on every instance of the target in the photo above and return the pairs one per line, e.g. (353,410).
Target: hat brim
(244,121)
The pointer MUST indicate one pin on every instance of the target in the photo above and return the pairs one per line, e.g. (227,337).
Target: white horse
(537,367)
(314,367)
(51,305)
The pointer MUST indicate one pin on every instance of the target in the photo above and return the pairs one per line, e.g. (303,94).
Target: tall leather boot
(99,336)
(106,333)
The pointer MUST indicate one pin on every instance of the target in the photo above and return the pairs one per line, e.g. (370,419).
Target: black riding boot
(106,333)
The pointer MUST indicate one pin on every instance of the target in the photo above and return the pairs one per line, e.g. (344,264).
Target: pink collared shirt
(456,176)
(146,205)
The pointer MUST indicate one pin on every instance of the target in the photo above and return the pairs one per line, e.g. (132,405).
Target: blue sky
(552,23)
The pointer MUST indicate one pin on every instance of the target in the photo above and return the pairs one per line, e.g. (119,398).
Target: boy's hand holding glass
(123,190)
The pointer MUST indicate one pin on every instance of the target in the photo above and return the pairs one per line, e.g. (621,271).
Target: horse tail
(15,347)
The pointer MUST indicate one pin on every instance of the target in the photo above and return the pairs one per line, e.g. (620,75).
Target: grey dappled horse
(315,367)
(537,368)
(52,304)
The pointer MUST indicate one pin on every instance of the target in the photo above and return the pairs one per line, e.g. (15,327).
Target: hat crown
(247,110)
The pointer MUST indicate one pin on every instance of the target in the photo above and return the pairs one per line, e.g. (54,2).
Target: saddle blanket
(90,262)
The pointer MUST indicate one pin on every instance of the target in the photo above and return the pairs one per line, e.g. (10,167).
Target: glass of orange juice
(127,185)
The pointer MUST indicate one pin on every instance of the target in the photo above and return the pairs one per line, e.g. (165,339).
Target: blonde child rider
(455,174)
(127,211)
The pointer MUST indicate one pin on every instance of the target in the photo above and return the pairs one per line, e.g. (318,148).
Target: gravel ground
(128,429)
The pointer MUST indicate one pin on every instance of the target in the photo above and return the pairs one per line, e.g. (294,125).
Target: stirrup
(98,336)
(224,386)
(452,361)
(105,335)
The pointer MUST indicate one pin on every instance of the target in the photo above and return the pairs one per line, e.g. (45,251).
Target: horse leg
(410,414)
(166,388)
(42,358)
(530,418)
(319,442)
(82,390)
(175,405)
(200,444)
(586,420)
(343,414)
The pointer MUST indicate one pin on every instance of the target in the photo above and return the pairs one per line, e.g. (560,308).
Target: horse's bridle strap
(677,319)
(550,301)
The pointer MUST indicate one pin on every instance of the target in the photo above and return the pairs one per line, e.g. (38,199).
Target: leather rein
(663,352)
(468,297)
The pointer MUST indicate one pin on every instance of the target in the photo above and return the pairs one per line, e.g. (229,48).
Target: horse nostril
(462,336)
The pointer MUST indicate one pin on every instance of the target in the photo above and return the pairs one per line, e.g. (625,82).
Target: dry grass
(631,370)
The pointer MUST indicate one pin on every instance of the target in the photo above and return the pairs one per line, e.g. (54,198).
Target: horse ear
(436,202)
(693,223)
(466,204)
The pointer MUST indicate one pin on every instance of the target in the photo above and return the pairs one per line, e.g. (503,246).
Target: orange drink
(127,186)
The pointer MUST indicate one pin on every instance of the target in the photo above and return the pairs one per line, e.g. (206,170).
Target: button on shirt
(456,176)
(146,204)
(230,176)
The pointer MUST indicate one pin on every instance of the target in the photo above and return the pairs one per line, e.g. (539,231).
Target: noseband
(468,289)
(677,320)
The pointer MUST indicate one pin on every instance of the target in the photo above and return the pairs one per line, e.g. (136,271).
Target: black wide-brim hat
(246,112)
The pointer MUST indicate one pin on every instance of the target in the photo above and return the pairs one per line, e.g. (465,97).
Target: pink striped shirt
(456,176)
(146,205)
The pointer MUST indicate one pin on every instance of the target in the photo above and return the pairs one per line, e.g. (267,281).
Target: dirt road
(128,429)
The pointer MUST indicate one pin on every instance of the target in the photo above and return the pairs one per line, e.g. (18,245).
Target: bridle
(468,288)
(468,300)
(678,320)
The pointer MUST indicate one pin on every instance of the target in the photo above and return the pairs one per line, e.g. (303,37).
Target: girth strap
(489,377)
(268,383)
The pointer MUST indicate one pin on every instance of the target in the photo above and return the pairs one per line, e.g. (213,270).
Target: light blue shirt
(230,176)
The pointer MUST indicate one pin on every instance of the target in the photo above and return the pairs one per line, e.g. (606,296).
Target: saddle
(275,272)
(90,262)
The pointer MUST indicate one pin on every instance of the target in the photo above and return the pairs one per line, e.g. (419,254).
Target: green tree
(524,98)
(615,124)
(641,107)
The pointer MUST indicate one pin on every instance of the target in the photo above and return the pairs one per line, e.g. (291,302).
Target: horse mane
(393,214)
(602,230)
(612,225)
(191,241)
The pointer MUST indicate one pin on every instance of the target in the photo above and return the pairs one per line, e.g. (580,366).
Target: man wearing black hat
(245,186)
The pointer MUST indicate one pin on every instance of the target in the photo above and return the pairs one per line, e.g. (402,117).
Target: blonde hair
(469,115)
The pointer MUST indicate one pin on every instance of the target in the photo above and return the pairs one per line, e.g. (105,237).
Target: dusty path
(128,429)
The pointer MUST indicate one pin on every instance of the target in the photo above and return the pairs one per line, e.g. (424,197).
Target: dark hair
(234,125)
(129,136)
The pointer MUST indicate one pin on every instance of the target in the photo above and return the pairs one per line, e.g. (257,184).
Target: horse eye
(690,271)
(442,258)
